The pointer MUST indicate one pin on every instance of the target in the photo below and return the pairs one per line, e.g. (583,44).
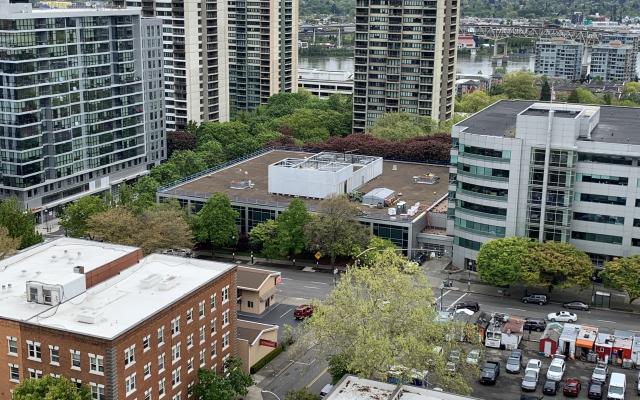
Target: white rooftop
(50,263)
(142,290)
(354,388)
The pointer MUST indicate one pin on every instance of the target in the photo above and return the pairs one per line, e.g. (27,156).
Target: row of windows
(467,243)
(499,174)
(500,155)
(480,228)
(34,353)
(603,219)
(609,180)
(596,237)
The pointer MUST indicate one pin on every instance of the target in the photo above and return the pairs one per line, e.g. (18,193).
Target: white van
(617,386)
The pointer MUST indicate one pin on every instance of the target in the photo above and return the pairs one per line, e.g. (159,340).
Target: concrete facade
(559,58)
(255,341)
(325,83)
(405,55)
(613,62)
(69,128)
(515,161)
(256,289)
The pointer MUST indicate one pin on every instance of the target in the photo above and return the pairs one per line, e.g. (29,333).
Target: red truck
(303,311)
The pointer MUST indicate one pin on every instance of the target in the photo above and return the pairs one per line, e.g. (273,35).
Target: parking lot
(508,385)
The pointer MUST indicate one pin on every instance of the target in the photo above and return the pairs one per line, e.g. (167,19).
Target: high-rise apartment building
(195,58)
(263,51)
(72,104)
(125,325)
(562,172)
(613,61)
(405,55)
(559,58)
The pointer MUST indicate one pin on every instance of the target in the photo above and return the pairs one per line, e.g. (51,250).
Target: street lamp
(270,392)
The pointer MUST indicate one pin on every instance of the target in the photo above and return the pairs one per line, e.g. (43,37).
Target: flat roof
(50,263)
(252,278)
(616,125)
(399,179)
(143,290)
(354,388)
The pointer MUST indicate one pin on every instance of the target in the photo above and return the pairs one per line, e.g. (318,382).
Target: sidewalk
(463,281)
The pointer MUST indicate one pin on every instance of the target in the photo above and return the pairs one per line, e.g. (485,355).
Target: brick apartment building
(128,326)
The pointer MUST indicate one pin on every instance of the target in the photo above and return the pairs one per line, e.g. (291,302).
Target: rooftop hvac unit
(168,283)
(87,316)
(79,269)
(150,281)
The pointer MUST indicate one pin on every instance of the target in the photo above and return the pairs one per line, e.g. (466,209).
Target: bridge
(502,32)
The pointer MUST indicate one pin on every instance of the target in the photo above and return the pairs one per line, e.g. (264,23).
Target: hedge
(266,360)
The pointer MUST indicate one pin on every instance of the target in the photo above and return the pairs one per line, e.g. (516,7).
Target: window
(596,237)
(190,341)
(54,355)
(175,353)
(603,199)
(225,294)
(77,382)
(225,341)
(201,334)
(147,370)
(161,363)
(190,365)
(249,303)
(12,346)
(161,336)
(175,377)
(147,394)
(225,318)
(161,388)
(212,302)
(201,309)
(190,390)
(603,219)
(175,326)
(130,384)
(146,343)
(177,396)
(213,350)
(96,364)
(201,358)
(189,315)
(35,373)
(129,355)
(14,373)
(213,326)
(34,352)
(75,359)
(97,391)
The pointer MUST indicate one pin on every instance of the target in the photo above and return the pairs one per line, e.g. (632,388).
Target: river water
(467,64)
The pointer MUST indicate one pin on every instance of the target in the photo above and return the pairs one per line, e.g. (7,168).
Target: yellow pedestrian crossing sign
(318,255)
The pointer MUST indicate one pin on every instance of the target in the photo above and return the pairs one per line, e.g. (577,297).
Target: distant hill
(335,7)
(551,9)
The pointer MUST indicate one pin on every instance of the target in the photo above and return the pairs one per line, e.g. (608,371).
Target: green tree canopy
(556,264)
(215,223)
(545,90)
(378,317)
(334,231)
(520,85)
(8,245)
(140,196)
(263,237)
(50,388)
(234,382)
(187,162)
(19,222)
(369,253)
(500,261)
(475,101)
(624,274)
(289,234)
(402,126)
(301,394)
(165,173)
(75,216)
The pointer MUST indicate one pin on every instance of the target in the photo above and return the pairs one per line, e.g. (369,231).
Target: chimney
(78,269)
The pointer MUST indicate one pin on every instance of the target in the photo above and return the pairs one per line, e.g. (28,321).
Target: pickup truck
(490,372)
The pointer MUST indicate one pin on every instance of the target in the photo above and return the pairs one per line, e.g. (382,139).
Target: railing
(481,195)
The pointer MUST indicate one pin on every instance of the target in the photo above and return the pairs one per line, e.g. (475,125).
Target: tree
(475,101)
(545,90)
(368,254)
(187,162)
(300,394)
(289,234)
(8,245)
(140,196)
(19,222)
(215,223)
(338,367)
(334,231)
(606,99)
(500,261)
(262,233)
(378,317)
(402,126)
(624,274)
(165,173)
(573,97)
(180,140)
(212,153)
(50,388)
(520,85)
(228,386)
(76,215)
(116,225)
(556,264)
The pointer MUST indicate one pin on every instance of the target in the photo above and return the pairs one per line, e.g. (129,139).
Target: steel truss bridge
(501,32)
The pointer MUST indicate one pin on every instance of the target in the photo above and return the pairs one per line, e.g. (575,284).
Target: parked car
(469,305)
(551,387)
(562,316)
(572,387)
(533,365)
(326,389)
(595,390)
(529,397)
(530,381)
(514,362)
(535,324)
(451,367)
(536,298)
(490,373)
(638,383)
(600,373)
(556,369)
(576,305)
(473,357)
(617,386)
(303,311)
(454,356)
